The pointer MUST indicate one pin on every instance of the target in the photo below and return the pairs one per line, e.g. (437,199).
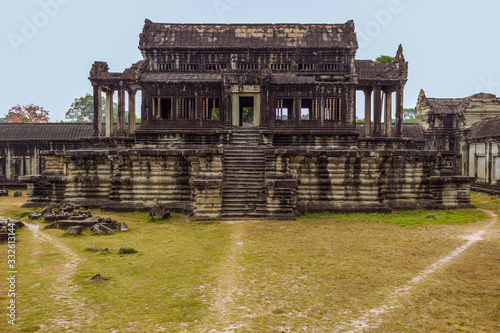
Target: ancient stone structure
(252,121)
(21,146)
(471,127)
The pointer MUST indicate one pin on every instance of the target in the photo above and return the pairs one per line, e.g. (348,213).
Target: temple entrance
(246,109)
(246,112)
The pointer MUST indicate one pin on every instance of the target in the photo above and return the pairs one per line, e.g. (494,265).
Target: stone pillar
(109,113)
(120,128)
(97,111)
(388,114)
(8,163)
(368,112)
(399,112)
(131,111)
(377,112)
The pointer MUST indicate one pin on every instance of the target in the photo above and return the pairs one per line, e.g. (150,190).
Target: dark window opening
(166,108)
(284,109)
(306,67)
(330,67)
(309,109)
(165,67)
(281,67)
(248,66)
(189,67)
(186,108)
(211,107)
(215,67)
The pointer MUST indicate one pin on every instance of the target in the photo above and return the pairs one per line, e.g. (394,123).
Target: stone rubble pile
(6,228)
(74,219)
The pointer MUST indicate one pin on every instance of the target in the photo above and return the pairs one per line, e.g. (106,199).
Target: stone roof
(51,131)
(247,36)
(454,105)
(368,70)
(181,77)
(487,128)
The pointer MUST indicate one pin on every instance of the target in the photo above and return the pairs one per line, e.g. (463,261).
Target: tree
(82,109)
(384,59)
(27,114)
(409,116)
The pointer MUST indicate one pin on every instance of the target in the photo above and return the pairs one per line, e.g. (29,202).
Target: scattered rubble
(159,212)
(74,231)
(69,216)
(127,250)
(18,194)
(6,228)
(92,249)
(431,216)
(97,278)
(4,193)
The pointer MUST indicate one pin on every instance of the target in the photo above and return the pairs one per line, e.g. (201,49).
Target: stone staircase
(244,192)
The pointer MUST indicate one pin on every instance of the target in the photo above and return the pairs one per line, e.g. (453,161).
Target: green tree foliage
(82,109)
(27,114)
(384,59)
(409,116)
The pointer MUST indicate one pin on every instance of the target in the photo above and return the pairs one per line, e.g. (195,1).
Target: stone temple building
(251,121)
(471,127)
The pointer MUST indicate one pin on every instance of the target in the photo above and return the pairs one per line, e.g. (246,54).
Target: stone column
(377,112)
(109,113)
(121,112)
(388,114)
(399,111)
(8,163)
(368,112)
(131,111)
(97,111)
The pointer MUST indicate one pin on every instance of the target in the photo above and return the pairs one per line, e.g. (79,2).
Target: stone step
(244,182)
(248,193)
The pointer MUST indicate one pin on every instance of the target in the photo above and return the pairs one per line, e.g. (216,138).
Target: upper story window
(210,108)
(163,67)
(186,108)
(333,109)
(330,67)
(306,67)
(309,109)
(281,67)
(284,109)
(189,67)
(248,66)
(215,67)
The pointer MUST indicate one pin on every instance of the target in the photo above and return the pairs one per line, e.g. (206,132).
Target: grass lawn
(316,274)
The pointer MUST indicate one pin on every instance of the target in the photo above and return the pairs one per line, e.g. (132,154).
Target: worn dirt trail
(370,319)
(228,287)
(75,314)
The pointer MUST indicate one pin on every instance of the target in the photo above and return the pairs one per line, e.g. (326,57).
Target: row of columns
(121,122)
(385,95)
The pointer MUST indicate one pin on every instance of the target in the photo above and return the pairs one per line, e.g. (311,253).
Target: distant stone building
(252,121)
(469,126)
(21,147)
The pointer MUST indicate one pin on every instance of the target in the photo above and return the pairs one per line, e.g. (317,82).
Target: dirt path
(75,313)
(370,319)
(228,287)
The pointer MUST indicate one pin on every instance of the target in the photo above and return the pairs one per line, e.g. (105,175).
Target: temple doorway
(246,112)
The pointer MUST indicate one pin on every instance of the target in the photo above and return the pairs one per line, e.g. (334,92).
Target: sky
(48,46)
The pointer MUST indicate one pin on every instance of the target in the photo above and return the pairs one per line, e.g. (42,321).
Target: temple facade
(251,121)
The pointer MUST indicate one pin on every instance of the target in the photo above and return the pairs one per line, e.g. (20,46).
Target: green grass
(406,218)
(265,276)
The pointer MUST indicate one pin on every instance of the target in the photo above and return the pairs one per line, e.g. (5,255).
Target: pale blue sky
(452,46)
